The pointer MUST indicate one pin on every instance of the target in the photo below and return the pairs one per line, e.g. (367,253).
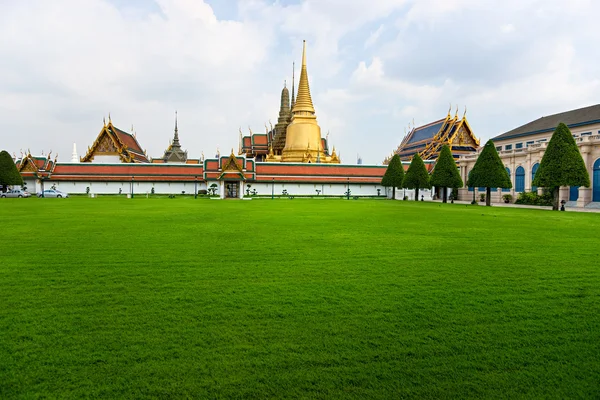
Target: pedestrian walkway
(592,207)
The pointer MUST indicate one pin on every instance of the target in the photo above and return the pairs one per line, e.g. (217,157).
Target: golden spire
(293,85)
(304,101)
(465,113)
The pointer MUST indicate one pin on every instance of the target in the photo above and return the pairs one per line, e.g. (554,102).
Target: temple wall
(300,189)
(113,187)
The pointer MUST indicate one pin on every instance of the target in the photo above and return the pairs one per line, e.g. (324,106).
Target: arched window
(533,171)
(508,172)
(596,181)
(520,180)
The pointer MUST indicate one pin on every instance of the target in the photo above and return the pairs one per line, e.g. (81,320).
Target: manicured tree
(561,164)
(489,172)
(9,175)
(445,174)
(394,175)
(417,176)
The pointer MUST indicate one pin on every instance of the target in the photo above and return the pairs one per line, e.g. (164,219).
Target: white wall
(334,189)
(188,187)
(113,187)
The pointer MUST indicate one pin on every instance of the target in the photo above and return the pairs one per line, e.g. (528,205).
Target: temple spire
(293,85)
(176,134)
(304,101)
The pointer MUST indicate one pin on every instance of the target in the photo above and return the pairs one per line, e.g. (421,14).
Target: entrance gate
(232,190)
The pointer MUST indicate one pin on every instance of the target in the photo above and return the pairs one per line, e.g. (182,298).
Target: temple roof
(112,140)
(425,132)
(573,118)
(428,139)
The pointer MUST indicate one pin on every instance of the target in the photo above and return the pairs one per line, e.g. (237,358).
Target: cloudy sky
(374,67)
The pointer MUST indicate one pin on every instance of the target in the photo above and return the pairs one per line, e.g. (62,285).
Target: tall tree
(561,164)
(489,172)
(9,175)
(446,175)
(416,176)
(394,175)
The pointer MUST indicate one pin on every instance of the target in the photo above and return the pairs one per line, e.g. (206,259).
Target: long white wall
(311,189)
(188,187)
(113,187)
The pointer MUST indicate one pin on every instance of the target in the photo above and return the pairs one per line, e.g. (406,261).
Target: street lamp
(195,186)
(273,189)
(132,187)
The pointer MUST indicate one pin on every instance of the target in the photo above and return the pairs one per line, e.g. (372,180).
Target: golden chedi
(303,134)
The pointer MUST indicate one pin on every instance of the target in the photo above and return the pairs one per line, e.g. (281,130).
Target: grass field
(113,298)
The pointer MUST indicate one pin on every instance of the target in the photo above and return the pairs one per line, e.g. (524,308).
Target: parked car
(16,193)
(53,193)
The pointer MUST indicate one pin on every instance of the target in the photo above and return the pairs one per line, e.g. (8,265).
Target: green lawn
(111,297)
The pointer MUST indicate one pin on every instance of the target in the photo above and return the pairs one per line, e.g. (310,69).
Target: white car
(53,193)
(16,193)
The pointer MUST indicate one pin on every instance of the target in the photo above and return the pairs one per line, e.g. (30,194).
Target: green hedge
(534,199)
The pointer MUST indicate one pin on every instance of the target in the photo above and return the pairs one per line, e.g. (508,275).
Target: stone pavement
(593,207)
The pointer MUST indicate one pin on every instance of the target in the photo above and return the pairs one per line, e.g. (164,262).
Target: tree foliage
(416,176)
(446,173)
(394,175)
(9,175)
(489,171)
(562,164)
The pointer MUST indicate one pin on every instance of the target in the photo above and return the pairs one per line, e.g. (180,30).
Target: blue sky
(374,67)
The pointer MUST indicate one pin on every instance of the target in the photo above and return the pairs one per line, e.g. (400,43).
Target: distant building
(427,140)
(521,150)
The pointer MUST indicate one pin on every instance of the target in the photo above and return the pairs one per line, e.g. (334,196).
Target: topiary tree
(416,176)
(445,174)
(561,164)
(489,172)
(394,175)
(9,174)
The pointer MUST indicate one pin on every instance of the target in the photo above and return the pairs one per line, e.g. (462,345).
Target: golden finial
(271,125)
(465,113)
(456,114)
(202,156)
(304,101)
(250,129)
(240,142)
(414,123)
(266,129)
(104,121)
(109,120)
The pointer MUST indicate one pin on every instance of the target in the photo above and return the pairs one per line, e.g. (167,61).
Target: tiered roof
(114,141)
(427,140)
